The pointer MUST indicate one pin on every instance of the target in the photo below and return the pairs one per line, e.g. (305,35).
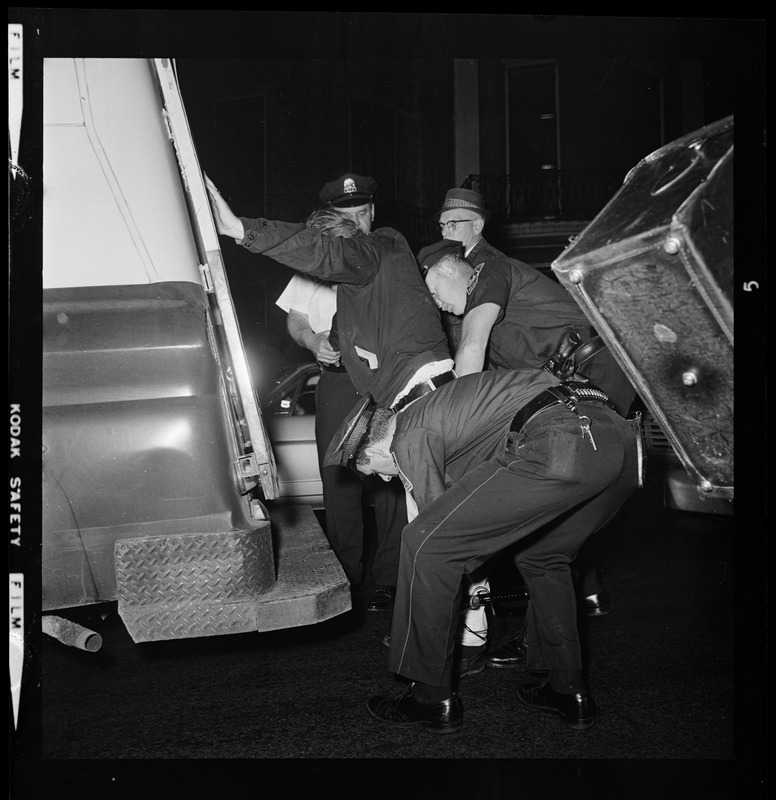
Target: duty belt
(567,394)
(423,388)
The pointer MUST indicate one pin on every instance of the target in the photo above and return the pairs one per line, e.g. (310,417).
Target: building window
(532,117)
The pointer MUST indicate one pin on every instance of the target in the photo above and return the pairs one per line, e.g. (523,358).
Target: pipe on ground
(71,633)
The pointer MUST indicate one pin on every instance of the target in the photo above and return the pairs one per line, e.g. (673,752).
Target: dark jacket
(387,322)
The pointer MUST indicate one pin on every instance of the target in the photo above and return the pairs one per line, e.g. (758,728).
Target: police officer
(491,459)
(389,332)
(311,306)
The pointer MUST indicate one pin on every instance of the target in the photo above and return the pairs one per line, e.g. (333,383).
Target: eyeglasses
(453,224)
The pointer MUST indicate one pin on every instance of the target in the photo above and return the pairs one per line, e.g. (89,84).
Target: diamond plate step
(190,585)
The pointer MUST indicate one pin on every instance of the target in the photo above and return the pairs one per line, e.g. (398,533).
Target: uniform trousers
(549,490)
(343,492)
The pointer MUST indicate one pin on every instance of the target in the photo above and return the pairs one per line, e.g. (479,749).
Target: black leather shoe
(405,711)
(383,599)
(510,655)
(576,710)
(597,605)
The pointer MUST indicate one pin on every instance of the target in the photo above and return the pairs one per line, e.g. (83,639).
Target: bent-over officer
(491,459)
(514,317)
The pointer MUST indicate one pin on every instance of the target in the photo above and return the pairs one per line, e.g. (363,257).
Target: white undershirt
(425,373)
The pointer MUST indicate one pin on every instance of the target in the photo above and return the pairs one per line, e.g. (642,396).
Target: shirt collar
(471,247)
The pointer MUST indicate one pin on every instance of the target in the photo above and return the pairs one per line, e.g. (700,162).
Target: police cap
(349,190)
(350,435)
(429,256)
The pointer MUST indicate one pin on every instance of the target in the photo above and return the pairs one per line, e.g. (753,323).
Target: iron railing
(541,195)
(546,194)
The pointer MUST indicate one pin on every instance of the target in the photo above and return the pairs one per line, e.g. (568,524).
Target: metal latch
(207,280)
(247,465)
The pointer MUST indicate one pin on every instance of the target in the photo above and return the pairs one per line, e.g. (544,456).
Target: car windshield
(291,387)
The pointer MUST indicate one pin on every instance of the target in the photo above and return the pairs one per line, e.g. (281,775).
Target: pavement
(678,713)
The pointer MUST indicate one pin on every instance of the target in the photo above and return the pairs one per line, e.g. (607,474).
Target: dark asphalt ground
(679,713)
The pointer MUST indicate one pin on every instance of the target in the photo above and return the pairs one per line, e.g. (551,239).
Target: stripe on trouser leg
(526,526)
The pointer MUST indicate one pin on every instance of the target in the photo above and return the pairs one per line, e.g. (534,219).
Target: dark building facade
(547,142)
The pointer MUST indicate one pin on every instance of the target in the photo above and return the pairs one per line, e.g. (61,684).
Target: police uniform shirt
(534,312)
(444,434)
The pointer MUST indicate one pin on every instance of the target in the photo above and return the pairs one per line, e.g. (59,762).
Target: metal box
(654,274)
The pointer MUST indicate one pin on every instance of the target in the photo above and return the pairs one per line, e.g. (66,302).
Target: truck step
(190,585)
